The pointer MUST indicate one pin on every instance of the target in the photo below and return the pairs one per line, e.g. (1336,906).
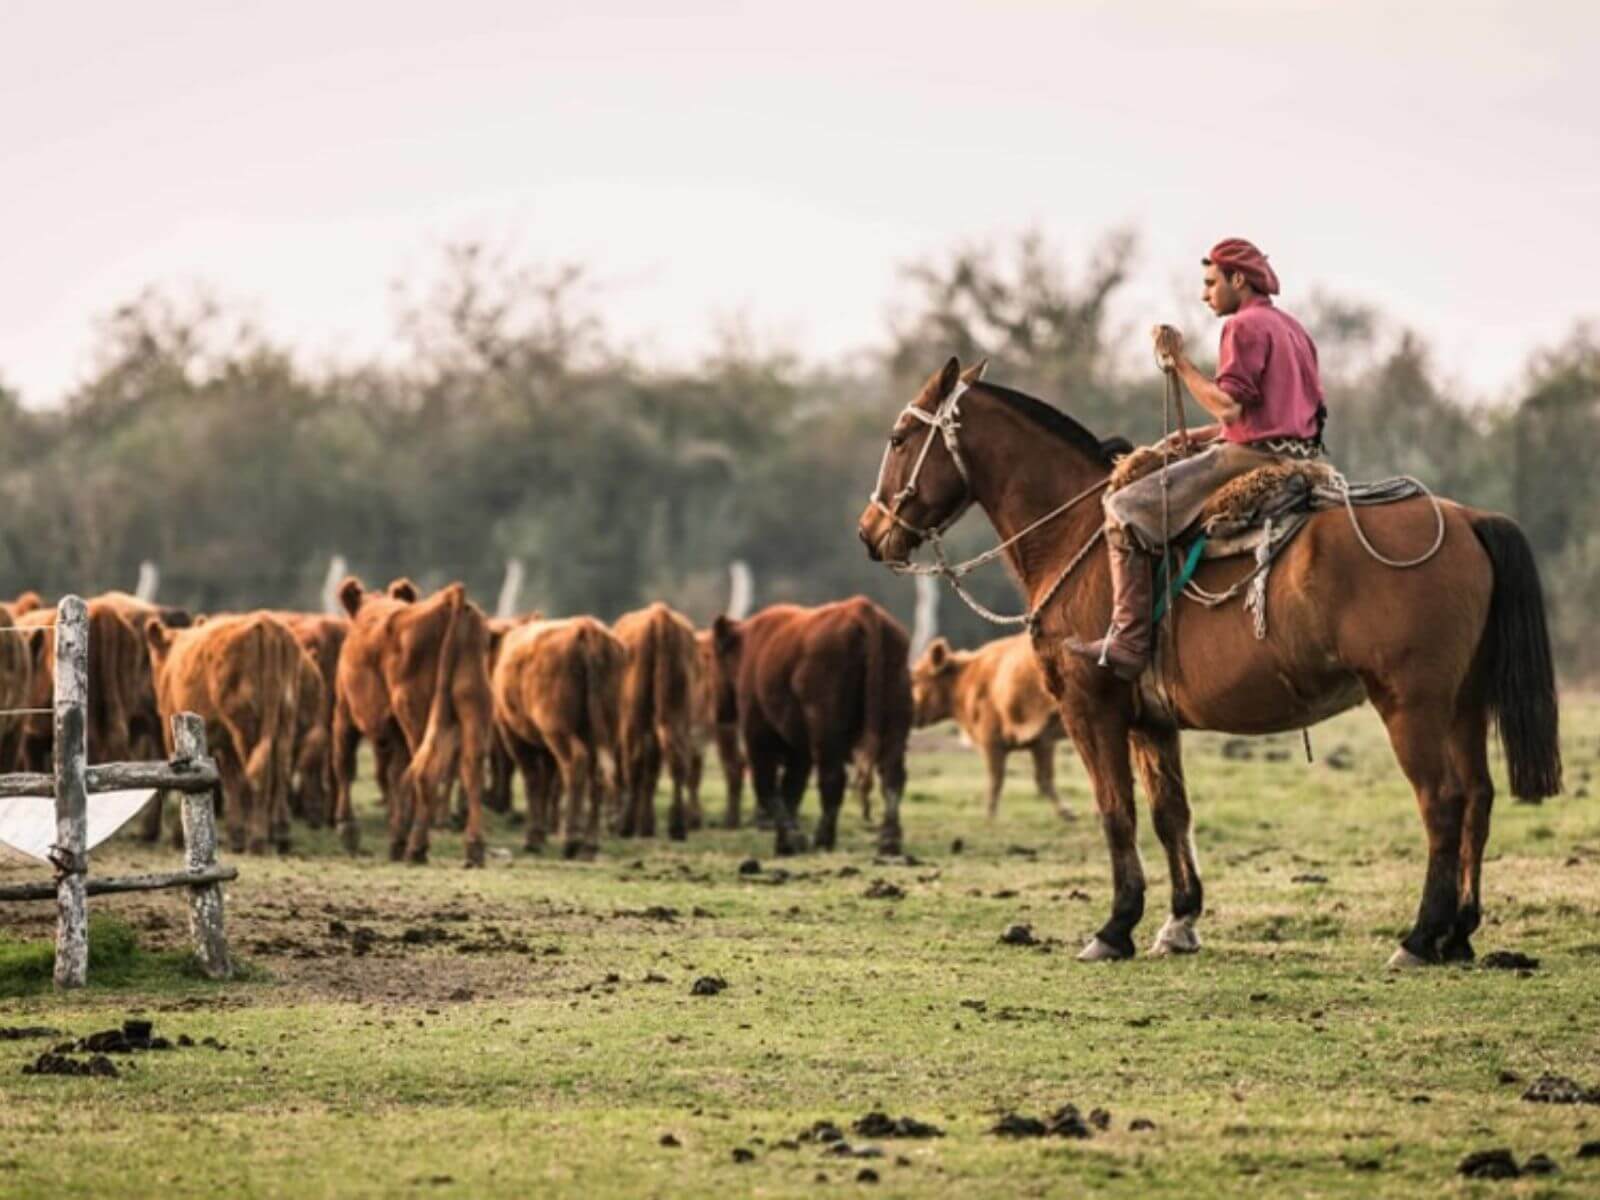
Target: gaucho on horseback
(1445,642)
(1267,399)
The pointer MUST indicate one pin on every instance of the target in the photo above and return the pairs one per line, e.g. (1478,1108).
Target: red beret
(1236,254)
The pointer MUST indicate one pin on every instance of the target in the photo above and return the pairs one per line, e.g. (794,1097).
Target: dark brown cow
(119,687)
(810,686)
(708,727)
(658,690)
(241,674)
(997,695)
(557,690)
(413,677)
(321,637)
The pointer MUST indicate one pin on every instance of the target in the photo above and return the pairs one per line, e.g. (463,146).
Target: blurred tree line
(518,427)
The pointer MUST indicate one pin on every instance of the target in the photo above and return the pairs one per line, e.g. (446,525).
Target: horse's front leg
(1159,759)
(1100,731)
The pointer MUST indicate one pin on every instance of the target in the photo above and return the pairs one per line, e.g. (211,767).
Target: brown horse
(1440,650)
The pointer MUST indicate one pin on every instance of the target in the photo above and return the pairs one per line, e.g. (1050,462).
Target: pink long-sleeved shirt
(1268,365)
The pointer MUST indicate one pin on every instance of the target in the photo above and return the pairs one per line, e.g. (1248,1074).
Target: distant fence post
(69,856)
(510,589)
(149,581)
(337,570)
(925,626)
(200,853)
(741,589)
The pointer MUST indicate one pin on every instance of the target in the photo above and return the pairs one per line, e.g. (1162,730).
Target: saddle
(1259,514)
(1234,519)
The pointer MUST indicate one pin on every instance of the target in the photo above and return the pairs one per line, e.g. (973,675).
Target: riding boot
(1126,647)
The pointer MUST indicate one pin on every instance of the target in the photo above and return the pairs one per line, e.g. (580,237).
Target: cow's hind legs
(786,812)
(346,738)
(833,778)
(892,773)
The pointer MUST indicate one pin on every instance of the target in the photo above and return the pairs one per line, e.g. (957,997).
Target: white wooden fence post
(71,791)
(337,570)
(925,627)
(741,589)
(510,589)
(200,853)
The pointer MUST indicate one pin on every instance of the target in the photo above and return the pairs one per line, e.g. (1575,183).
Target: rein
(947,420)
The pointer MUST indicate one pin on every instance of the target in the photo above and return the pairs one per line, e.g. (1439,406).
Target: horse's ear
(939,653)
(26,603)
(974,373)
(948,377)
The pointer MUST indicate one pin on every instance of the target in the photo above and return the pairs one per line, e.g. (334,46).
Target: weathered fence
(190,772)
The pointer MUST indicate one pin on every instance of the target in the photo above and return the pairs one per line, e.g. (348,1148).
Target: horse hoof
(1066,814)
(350,837)
(475,854)
(1101,951)
(1177,936)
(1402,959)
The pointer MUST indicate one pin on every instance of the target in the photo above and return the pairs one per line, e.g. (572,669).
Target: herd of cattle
(590,715)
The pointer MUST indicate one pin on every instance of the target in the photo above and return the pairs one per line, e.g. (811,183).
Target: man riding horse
(1267,399)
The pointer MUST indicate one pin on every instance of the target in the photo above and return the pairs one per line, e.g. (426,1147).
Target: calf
(710,724)
(557,690)
(321,637)
(996,694)
(413,679)
(241,674)
(658,693)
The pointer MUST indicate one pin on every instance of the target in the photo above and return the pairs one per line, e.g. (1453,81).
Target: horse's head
(922,486)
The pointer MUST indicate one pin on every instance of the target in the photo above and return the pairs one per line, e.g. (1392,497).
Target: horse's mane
(1054,420)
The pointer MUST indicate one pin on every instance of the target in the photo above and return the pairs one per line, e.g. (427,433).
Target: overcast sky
(779,161)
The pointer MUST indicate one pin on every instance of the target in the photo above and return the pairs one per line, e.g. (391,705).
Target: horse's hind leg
(1421,739)
(1102,742)
(1469,756)
(1159,759)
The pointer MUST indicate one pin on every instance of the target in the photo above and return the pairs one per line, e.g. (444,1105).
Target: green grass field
(530,1029)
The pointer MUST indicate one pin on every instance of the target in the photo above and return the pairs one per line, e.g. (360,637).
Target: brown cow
(146,740)
(709,726)
(241,674)
(321,637)
(658,691)
(497,788)
(413,679)
(140,613)
(811,685)
(119,687)
(557,690)
(996,694)
(16,687)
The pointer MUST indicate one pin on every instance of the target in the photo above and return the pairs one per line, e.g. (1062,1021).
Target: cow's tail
(638,712)
(265,765)
(602,659)
(673,682)
(875,691)
(422,765)
(1521,675)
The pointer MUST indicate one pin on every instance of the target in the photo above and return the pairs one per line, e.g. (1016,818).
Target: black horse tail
(1521,675)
